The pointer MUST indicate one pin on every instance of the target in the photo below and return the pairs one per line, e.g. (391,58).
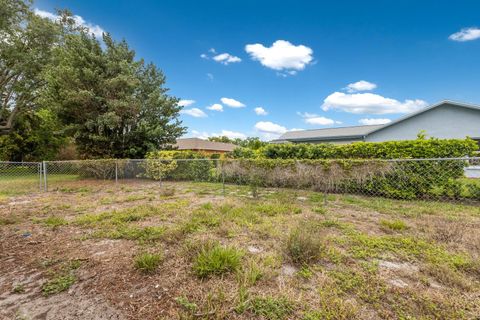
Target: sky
(261,68)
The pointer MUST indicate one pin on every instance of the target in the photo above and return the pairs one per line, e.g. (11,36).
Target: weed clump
(304,245)
(214,259)
(147,262)
(58,284)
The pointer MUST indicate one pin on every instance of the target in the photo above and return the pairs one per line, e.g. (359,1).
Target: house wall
(335,141)
(444,122)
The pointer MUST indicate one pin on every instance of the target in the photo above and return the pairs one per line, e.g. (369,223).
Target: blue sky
(296,59)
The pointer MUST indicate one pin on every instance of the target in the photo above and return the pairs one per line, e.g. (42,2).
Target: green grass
(214,259)
(52,221)
(58,284)
(147,262)
(395,225)
(272,308)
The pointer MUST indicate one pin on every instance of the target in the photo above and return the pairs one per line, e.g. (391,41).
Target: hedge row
(410,149)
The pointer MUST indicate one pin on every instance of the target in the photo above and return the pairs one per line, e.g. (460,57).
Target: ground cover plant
(196,251)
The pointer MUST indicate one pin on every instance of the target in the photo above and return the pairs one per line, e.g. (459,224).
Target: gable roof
(200,144)
(359,131)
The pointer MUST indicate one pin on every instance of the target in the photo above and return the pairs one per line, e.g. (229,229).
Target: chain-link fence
(451,179)
(20,177)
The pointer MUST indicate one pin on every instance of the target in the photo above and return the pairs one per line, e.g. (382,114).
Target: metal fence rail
(448,179)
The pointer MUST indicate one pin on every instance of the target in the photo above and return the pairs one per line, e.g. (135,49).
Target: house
(196,144)
(444,120)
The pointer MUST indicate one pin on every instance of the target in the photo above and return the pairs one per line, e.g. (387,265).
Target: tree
(113,105)
(253,143)
(26,43)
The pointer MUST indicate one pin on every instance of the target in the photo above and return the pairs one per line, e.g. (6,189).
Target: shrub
(147,262)
(304,246)
(215,259)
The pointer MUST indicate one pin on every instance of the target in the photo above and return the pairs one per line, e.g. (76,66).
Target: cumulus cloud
(260,111)
(79,21)
(270,127)
(226,58)
(372,121)
(232,103)
(216,107)
(185,102)
(466,34)
(231,134)
(369,103)
(194,112)
(223,58)
(361,85)
(281,56)
(315,119)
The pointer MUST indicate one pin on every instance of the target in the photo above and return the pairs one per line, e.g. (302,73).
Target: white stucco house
(444,120)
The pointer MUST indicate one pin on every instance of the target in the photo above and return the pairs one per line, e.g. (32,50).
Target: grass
(214,259)
(394,225)
(147,262)
(272,308)
(304,245)
(286,254)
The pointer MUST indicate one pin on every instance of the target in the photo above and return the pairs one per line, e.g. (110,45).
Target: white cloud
(204,56)
(260,111)
(231,134)
(315,119)
(79,21)
(369,103)
(281,56)
(270,128)
(226,58)
(210,76)
(232,103)
(194,112)
(466,34)
(185,102)
(361,85)
(372,121)
(216,107)
(227,133)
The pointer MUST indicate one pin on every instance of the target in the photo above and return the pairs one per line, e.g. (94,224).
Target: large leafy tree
(112,104)
(26,43)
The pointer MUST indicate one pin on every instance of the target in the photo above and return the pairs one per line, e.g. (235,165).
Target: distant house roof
(328,133)
(355,132)
(200,144)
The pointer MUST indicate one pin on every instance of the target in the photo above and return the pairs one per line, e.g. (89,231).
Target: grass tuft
(215,259)
(394,225)
(304,246)
(147,262)
(58,284)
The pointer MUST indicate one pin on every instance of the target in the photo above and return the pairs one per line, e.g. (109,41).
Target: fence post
(223,178)
(116,171)
(39,176)
(45,186)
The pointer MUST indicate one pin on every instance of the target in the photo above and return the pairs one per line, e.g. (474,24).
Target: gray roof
(200,144)
(329,133)
(358,131)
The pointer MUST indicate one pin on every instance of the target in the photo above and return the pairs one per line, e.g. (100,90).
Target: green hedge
(410,149)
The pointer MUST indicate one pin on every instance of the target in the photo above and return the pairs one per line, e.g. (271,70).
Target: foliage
(272,308)
(253,143)
(113,105)
(58,284)
(415,149)
(215,259)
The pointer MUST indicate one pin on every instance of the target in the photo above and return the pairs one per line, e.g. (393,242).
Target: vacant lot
(93,250)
